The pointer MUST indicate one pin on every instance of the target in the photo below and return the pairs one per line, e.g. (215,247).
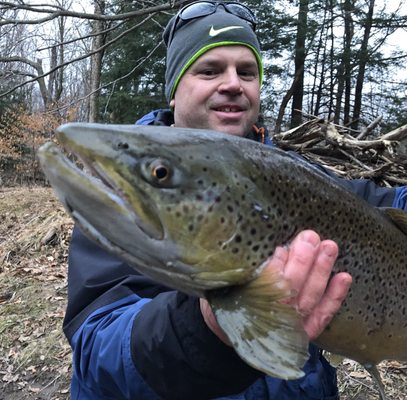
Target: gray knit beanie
(197,36)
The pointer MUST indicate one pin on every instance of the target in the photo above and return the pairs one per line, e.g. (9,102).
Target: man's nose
(231,82)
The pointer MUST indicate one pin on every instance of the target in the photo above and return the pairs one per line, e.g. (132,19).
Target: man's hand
(307,265)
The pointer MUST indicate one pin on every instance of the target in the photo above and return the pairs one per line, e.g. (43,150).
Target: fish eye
(157,172)
(161,172)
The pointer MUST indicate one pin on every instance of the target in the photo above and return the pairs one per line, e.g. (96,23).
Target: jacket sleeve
(376,195)
(132,338)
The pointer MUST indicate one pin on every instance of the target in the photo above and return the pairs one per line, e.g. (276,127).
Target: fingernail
(310,237)
(330,249)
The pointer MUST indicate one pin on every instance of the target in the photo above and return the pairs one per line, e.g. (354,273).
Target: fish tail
(266,333)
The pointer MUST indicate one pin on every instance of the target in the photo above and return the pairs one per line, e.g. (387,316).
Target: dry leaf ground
(34,355)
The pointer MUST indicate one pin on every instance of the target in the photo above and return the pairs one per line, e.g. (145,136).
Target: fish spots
(245,213)
(122,146)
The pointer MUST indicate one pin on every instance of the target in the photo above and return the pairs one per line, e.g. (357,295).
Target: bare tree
(299,60)
(67,50)
(363,59)
(98,26)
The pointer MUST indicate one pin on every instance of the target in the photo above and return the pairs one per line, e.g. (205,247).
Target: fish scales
(202,211)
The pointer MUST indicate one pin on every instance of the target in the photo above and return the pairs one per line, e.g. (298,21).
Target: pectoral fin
(267,334)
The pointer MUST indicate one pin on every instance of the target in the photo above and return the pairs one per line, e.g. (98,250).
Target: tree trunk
(96,63)
(298,88)
(319,67)
(363,59)
(344,68)
(284,102)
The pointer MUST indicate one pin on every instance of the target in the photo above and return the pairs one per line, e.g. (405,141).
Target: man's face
(220,91)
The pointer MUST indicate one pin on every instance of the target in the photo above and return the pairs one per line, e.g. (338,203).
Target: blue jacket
(135,339)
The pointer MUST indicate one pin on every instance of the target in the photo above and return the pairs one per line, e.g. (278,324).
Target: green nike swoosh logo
(215,32)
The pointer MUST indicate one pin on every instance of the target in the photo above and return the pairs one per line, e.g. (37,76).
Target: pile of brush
(382,159)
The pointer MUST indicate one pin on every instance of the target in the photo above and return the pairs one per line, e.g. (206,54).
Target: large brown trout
(202,211)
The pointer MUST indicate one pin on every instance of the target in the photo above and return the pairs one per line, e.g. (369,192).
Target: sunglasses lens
(242,12)
(196,10)
(204,8)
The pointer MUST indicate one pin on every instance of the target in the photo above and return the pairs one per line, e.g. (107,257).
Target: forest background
(104,61)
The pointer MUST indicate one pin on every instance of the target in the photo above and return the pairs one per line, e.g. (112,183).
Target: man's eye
(249,75)
(208,72)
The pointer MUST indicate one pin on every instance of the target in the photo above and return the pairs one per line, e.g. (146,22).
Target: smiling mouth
(229,109)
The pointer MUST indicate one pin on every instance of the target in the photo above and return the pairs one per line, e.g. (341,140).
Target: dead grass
(34,355)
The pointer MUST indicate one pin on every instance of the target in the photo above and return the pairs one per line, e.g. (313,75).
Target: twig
(370,127)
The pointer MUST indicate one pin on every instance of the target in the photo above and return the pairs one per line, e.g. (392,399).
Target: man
(135,339)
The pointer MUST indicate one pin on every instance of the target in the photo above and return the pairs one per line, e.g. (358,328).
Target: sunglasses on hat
(203,8)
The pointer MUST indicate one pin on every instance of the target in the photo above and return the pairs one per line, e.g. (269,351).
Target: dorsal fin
(398,217)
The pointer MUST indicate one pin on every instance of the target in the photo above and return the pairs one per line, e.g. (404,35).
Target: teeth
(228,109)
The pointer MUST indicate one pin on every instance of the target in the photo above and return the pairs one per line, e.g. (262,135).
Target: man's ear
(172,103)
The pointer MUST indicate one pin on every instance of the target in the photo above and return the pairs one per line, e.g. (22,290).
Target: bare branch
(88,16)
(107,44)
(24,60)
(90,35)
(370,127)
(113,83)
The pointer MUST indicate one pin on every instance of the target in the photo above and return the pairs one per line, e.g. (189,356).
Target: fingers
(329,305)
(278,260)
(307,265)
(302,254)
(316,282)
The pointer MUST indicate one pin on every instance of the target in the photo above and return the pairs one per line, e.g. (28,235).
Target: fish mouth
(132,202)
(94,176)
